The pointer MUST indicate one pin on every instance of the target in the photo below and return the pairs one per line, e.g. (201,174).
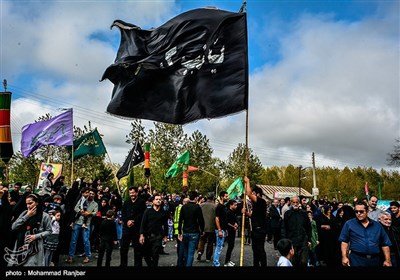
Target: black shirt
(154,222)
(108,230)
(259,214)
(221,212)
(192,219)
(133,211)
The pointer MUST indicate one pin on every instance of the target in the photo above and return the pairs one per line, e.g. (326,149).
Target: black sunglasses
(359,211)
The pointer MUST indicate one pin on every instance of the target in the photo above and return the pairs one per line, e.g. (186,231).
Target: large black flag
(134,157)
(192,67)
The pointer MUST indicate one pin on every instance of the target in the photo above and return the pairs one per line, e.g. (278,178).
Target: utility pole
(315,190)
(300,167)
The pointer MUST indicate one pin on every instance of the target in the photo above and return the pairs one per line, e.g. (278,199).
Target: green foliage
(137,133)
(24,170)
(236,163)
(273,175)
(168,141)
(343,184)
(291,176)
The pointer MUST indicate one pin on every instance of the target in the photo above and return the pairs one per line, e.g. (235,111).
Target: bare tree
(394,158)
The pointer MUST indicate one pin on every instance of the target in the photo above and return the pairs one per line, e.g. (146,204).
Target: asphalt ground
(167,268)
(170,259)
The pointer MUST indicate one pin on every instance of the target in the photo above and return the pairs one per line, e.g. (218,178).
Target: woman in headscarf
(47,185)
(58,184)
(30,228)
(328,233)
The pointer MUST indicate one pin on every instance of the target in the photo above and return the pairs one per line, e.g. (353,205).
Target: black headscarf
(31,225)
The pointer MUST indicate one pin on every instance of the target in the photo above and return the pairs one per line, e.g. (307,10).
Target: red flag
(192,168)
(366,189)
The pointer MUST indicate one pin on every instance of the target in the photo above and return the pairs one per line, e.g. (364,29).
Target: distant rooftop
(282,192)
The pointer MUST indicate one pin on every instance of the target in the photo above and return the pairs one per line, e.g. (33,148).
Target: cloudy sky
(324,75)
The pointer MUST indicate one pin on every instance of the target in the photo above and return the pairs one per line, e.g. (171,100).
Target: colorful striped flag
(185,178)
(147,160)
(6,147)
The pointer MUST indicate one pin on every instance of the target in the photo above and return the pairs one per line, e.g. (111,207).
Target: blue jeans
(189,243)
(219,243)
(74,239)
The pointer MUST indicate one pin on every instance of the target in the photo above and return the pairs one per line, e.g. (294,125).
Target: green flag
(89,144)
(177,167)
(236,189)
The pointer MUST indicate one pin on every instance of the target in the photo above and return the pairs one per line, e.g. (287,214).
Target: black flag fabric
(195,66)
(134,157)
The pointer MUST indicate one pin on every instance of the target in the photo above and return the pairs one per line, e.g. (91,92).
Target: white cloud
(335,92)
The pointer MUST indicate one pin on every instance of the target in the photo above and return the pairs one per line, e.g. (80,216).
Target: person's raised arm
(249,192)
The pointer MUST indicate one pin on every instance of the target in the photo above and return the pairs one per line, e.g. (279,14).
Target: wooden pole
(115,174)
(149,184)
(208,172)
(6,172)
(72,165)
(243,9)
(244,193)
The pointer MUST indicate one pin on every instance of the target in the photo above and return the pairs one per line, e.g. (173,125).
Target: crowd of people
(39,228)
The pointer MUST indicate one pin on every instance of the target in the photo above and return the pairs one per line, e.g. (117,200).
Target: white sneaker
(229,264)
(232,263)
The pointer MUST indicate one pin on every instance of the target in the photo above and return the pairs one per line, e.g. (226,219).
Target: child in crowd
(108,236)
(285,248)
(118,225)
(84,207)
(50,243)
(170,229)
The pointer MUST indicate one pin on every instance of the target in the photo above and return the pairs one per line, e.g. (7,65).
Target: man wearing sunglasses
(362,239)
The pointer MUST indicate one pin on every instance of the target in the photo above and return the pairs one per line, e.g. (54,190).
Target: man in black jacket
(297,227)
(132,214)
(154,230)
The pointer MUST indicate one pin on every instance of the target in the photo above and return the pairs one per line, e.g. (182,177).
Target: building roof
(272,192)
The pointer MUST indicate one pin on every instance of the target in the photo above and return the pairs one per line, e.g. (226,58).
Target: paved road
(170,260)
